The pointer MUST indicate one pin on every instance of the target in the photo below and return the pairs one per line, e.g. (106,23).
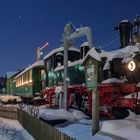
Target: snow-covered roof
(36,64)
(94,54)
(60,49)
(84,44)
(126,52)
(10,74)
(70,64)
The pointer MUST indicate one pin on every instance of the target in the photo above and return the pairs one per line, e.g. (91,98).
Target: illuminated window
(22,80)
(30,76)
(27,77)
(42,73)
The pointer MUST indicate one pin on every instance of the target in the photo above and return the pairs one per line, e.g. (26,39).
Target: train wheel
(120,113)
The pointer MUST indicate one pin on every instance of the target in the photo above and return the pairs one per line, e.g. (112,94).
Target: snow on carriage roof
(58,50)
(10,74)
(121,53)
(36,64)
(70,64)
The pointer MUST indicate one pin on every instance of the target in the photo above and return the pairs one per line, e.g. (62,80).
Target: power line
(111,42)
(110,39)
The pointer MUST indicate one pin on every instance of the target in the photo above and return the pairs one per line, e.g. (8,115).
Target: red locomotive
(120,76)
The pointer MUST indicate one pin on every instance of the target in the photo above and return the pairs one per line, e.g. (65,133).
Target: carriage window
(22,80)
(27,77)
(30,76)
(42,73)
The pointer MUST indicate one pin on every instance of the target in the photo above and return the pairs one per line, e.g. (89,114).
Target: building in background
(2,85)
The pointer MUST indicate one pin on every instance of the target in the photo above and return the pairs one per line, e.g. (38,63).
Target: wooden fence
(8,112)
(39,129)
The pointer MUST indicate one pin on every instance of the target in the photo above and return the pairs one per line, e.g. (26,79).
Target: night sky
(28,24)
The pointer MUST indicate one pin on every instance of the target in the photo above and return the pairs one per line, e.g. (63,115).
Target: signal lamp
(131,65)
(41,52)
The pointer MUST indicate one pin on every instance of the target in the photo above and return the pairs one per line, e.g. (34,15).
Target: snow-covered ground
(57,114)
(78,125)
(12,130)
(126,129)
(6,98)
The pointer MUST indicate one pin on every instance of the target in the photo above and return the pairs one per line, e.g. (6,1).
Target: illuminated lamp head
(131,66)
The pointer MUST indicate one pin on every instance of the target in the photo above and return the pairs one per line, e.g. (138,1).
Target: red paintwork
(111,96)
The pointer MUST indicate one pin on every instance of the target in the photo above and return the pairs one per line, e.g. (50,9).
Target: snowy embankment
(78,125)
(6,98)
(58,114)
(126,129)
(12,130)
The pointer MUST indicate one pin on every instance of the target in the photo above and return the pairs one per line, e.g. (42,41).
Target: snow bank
(110,129)
(128,128)
(112,125)
(12,130)
(82,130)
(124,128)
(132,115)
(57,114)
(78,114)
(6,98)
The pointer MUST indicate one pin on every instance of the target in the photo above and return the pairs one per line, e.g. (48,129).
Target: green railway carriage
(30,81)
(10,82)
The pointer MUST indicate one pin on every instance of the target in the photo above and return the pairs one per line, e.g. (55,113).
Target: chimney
(124,29)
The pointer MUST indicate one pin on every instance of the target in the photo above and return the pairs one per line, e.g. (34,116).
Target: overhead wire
(108,44)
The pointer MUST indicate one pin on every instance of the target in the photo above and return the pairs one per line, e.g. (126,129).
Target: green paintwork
(37,80)
(75,73)
(91,72)
(24,90)
(31,89)
(10,85)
